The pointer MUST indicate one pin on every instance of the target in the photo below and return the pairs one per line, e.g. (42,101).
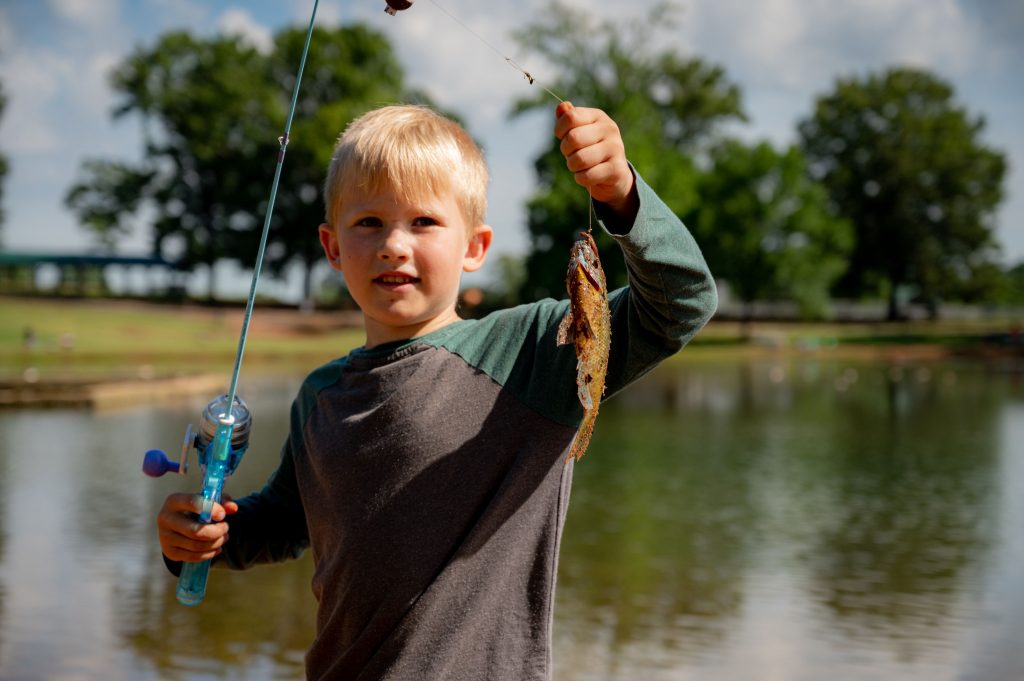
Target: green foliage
(508,275)
(105,204)
(765,227)
(667,107)
(906,164)
(213,110)
(1015,284)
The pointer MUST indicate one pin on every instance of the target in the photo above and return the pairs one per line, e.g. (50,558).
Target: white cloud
(6,30)
(163,15)
(91,14)
(791,43)
(236,21)
(327,13)
(33,81)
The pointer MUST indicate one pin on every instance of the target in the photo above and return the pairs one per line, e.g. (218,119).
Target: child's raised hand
(595,153)
(183,537)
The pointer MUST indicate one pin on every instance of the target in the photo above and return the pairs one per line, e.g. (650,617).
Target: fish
(588,327)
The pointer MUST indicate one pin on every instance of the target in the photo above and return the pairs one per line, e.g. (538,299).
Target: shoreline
(105,393)
(96,388)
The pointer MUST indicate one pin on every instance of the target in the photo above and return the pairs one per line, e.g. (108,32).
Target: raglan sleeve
(671,294)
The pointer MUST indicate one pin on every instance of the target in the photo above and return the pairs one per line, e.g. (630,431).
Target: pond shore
(101,353)
(105,393)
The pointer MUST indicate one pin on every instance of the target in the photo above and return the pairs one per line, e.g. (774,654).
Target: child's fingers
(569,117)
(589,144)
(601,176)
(228,504)
(190,548)
(591,156)
(185,556)
(178,547)
(183,536)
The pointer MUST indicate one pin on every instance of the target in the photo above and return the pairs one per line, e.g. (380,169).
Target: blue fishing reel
(220,444)
(155,463)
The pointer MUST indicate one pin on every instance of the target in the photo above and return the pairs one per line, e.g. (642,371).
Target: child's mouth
(394,280)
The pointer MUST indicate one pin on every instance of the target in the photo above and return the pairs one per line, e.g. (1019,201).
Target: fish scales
(588,327)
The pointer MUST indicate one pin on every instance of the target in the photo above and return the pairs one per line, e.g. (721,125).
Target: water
(766,520)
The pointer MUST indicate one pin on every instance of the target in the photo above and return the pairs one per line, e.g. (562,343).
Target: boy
(427,470)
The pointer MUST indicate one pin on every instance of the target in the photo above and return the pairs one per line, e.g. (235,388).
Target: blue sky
(54,55)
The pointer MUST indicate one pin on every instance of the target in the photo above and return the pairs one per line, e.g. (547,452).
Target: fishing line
(529,76)
(283,140)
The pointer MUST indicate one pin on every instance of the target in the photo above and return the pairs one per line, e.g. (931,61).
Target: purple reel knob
(155,463)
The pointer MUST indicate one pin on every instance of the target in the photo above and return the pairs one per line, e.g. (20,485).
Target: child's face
(403,261)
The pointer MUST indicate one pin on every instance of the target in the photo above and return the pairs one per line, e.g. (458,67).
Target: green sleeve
(671,293)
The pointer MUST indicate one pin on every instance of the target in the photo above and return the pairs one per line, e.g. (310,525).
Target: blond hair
(411,150)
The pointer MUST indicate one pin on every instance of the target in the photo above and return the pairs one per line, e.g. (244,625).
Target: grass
(110,338)
(118,337)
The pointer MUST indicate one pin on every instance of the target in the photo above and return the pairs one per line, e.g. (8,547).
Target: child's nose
(394,246)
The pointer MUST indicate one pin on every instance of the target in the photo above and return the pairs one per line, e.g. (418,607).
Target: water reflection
(912,512)
(866,496)
(787,520)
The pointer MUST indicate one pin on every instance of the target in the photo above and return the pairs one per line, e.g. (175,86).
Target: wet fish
(588,326)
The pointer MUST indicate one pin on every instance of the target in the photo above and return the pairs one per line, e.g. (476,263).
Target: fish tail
(582,439)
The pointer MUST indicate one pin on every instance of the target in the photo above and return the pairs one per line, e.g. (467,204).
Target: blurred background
(825,484)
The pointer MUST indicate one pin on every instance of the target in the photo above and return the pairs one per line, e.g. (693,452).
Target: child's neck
(379,334)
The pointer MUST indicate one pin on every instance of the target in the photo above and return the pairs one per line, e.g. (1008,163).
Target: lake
(788,519)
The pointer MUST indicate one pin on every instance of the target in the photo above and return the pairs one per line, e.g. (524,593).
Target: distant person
(427,469)
(28,338)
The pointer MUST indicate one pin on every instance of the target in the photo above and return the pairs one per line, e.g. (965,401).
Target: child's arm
(266,526)
(671,293)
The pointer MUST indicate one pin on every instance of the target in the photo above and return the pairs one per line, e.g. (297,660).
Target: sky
(55,56)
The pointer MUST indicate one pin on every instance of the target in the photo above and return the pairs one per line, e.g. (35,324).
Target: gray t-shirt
(429,476)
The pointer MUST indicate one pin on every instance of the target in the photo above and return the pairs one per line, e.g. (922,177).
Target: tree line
(889,192)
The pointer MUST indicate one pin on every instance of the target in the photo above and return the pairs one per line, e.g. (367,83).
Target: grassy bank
(111,338)
(129,338)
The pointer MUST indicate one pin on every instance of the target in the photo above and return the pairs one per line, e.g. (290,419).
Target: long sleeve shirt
(429,476)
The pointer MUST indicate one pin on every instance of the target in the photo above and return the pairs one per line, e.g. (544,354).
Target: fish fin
(586,328)
(565,334)
(592,274)
(583,386)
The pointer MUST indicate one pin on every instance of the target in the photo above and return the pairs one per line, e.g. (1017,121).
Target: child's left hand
(595,153)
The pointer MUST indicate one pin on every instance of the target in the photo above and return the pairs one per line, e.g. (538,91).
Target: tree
(1014,283)
(906,164)
(667,107)
(213,110)
(348,71)
(765,226)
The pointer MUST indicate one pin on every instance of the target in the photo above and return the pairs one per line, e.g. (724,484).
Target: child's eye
(424,221)
(368,222)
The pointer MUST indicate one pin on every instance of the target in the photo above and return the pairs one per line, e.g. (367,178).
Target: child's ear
(476,249)
(329,240)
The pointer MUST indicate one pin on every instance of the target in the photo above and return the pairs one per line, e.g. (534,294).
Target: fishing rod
(223,435)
